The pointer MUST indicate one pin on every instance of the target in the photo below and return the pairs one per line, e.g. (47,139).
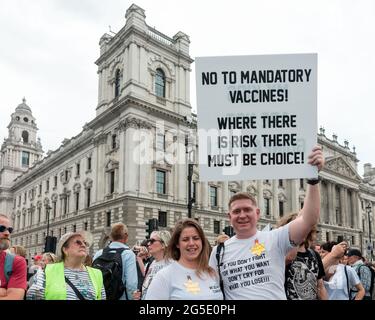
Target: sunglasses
(80,243)
(152,241)
(3,228)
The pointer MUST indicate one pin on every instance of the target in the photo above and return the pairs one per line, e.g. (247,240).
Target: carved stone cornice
(99,139)
(134,123)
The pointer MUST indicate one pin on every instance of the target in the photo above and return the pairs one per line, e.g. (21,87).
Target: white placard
(257,116)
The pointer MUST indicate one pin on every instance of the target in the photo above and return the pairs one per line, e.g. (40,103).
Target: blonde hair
(50,256)
(19,250)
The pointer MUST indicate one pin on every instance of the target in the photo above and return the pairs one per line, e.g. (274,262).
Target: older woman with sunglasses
(69,279)
(188,277)
(157,245)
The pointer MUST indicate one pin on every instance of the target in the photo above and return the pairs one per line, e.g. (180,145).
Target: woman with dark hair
(188,277)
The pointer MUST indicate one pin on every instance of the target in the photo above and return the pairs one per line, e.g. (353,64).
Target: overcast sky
(48,49)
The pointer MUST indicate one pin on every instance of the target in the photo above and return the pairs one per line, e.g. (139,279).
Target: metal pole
(48,209)
(190,177)
(190,173)
(369,230)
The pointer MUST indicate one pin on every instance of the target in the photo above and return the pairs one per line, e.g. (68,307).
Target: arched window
(117,83)
(160,83)
(25,136)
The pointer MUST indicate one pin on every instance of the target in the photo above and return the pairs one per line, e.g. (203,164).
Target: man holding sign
(252,264)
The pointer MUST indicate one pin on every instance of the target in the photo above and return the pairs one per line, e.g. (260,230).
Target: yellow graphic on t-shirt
(258,248)
(192,287)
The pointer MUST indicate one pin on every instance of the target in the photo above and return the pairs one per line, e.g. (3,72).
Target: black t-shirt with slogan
(301,276)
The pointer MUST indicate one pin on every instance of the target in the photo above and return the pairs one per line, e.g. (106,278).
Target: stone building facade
(129,163)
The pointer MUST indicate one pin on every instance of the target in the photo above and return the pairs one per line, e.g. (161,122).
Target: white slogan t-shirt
(254,268)
(176,282)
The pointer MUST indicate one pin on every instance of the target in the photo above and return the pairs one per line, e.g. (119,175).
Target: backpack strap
(347,282)
(219,264)
(8,265)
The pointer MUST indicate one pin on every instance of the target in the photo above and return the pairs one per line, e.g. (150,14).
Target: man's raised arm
(309,214)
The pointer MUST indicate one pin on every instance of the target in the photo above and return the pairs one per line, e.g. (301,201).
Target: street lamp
(50,243)
(369,210)
(189,176)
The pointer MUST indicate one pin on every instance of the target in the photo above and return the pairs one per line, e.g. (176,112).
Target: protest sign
(257,116)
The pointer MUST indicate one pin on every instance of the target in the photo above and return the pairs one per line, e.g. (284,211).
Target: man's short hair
(118,231)
(241,196)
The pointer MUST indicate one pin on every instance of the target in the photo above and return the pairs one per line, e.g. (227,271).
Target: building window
(88,197)
(86,226)
(66,175)
(194,192)
(281,183)
(267,206)
(281,208)
(47,185)
(40,189)
(114,141)
(54,209)
(74,228)
(301,204)
(327,236)
(64,230)
(89,163)
(59,233)
(65,200)
(160,141)
(108,220)
(77,201)
(55,181)
(216,227)
(353,240)
(39,214)
(160,181)
(213,196)
(301,185)
(160,83)
(162,219)
(25,158)
(25,136)
(117,83)
(111,182)
(78,169)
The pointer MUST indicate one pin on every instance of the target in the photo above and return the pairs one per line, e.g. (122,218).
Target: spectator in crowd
(157,245)
(13,269)
(304,270)
(354,259)
(69,279)
(188,277)
(119,239)
(45,259)
(221,239)
(340,278)
(18,251)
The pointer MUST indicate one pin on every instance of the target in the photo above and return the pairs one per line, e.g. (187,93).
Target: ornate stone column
(332,202)
(343,206)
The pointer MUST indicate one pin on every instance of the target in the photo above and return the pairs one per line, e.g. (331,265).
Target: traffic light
(152,225)
(50,245)
(229,231)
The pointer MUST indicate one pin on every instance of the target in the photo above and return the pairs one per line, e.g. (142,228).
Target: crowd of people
(278,264)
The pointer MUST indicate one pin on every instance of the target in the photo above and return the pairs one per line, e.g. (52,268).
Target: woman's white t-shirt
(176,282)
